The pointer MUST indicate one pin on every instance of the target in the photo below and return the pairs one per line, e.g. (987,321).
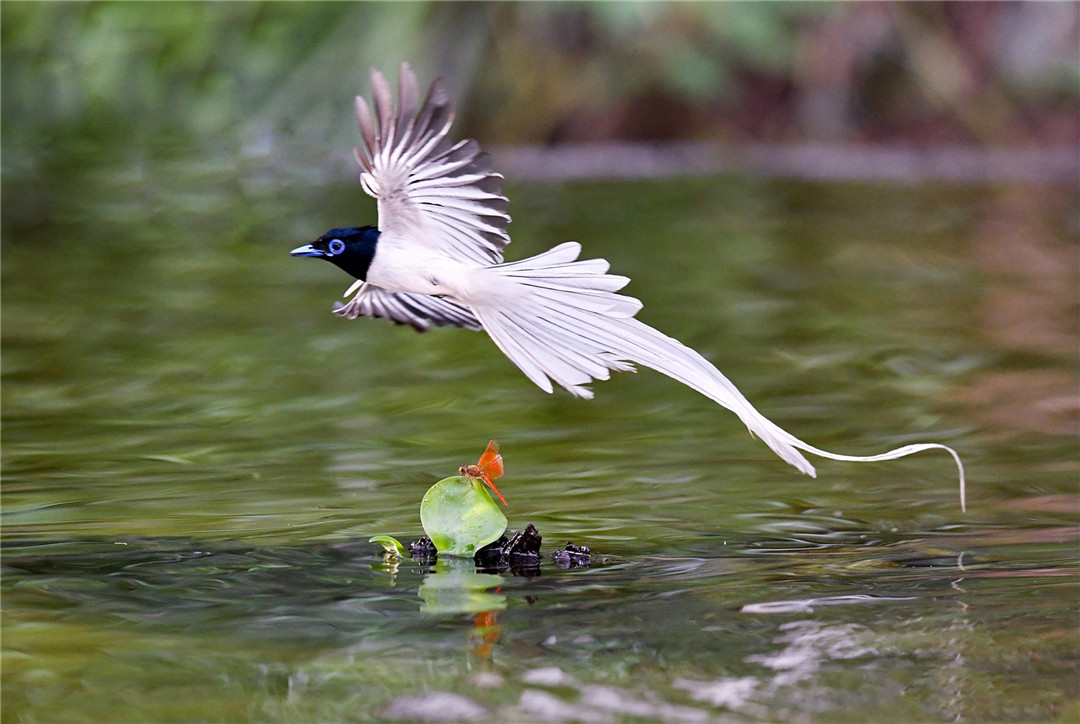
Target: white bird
(436,258)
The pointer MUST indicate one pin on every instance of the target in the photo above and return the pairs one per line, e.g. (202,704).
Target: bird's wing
(417,310)
(430,191)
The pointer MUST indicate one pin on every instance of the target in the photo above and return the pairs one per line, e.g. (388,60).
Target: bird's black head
(350,249)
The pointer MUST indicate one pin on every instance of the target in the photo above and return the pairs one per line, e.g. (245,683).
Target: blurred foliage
(536,71)
(110,84)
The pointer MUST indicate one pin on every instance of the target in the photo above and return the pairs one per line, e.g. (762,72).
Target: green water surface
(195,452)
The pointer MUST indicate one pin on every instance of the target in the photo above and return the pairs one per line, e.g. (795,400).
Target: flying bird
(436,257)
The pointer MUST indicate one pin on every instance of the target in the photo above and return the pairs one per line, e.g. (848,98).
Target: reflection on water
(455,587)
(196,452)
(667,639)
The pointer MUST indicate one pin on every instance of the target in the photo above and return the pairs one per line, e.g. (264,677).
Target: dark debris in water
(527,542)
(573,556)
(423,550)
(490,556)
(518,553)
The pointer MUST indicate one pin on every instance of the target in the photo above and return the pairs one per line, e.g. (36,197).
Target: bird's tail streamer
(571,327)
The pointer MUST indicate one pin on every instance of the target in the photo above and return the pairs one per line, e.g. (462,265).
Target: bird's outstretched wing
(417,310)
(430,191)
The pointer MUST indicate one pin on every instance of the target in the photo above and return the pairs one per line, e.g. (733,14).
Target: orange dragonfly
(487,469)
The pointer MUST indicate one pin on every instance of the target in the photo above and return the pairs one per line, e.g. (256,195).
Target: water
(196,451)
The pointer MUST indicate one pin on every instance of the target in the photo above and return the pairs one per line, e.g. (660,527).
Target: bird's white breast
(399,267)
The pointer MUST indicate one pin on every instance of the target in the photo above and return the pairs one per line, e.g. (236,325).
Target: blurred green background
(267,79)
(541,72)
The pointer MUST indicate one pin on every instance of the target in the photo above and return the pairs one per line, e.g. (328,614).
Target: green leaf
(389,543)
(460,517)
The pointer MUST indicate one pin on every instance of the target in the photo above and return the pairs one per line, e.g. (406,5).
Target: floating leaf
(460,517)
(389,543)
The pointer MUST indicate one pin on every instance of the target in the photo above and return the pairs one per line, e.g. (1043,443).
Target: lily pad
(460,517)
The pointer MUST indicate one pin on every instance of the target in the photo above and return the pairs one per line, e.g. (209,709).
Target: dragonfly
(487,469)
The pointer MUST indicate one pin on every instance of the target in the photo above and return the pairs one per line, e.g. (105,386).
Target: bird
(435,257)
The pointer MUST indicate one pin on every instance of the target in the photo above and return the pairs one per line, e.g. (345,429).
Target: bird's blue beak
(306,250)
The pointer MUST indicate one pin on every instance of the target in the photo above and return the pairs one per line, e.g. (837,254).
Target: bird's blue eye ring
(336,246)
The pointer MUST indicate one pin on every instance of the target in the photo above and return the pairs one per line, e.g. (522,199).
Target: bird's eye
(336,246)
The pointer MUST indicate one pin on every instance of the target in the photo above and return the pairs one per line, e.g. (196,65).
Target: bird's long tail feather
(569,326)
